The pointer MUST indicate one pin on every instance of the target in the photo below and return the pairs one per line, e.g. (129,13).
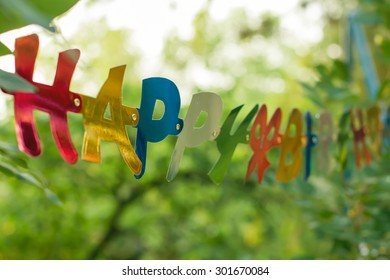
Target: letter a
(97,127)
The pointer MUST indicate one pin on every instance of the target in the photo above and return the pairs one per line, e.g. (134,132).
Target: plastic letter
(287,172)
(98,128)
(342,140)
(150,130)
(386,131)
(359,137)
(263,143)
(227,142)
(325,138)
(56,100)
(311,141)
(374,129)
(191,136)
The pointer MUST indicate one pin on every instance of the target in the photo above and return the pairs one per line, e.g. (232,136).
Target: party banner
(260,129)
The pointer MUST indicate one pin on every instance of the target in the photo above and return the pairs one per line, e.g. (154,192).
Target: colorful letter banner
(259,129)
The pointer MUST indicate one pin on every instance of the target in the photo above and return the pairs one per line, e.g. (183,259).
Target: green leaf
(369,18)
(340,70)
(4,50)
(316,100)
(312,94)
(12,82)
(10,167)
(340,94)
(21,161)
(383,91)
(8,147)
(53,197)
(13,168)
(12,152)
(18,13)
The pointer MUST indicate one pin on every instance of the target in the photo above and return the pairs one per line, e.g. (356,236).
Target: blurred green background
(100,211)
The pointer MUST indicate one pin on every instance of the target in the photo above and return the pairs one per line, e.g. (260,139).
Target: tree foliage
(106,214)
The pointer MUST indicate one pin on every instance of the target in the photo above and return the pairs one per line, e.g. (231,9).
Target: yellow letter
(291,145)
(97,127)
(375,127)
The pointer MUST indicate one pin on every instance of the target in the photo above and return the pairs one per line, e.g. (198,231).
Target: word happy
(57,100)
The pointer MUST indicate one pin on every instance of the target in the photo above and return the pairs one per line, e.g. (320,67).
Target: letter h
(56,100)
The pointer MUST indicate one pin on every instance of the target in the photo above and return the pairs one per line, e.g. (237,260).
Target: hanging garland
(57,100)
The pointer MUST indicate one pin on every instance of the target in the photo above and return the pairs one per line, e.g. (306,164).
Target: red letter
(56,100)
(262,144)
